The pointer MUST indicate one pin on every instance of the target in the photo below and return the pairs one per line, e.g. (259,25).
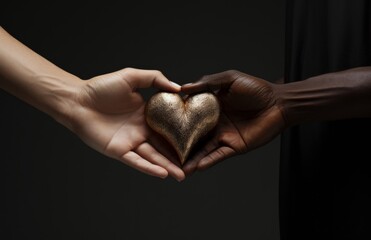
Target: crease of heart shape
(199,116)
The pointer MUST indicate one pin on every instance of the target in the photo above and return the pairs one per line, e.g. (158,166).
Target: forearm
(35,80)
(332,96)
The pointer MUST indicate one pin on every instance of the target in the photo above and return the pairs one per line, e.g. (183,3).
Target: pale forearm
(332,96)
(35,80)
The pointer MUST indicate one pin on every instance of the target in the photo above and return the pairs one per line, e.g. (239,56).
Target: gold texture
(182,122)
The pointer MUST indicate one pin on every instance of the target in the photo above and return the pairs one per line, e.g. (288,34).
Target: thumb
(212,82)
(139,78)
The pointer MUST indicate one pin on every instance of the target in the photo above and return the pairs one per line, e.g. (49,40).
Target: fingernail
(175,85)
(187,84)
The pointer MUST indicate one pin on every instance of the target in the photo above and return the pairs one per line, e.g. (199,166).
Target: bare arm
(339,95)
(254,111)
(106,112)
(35,80)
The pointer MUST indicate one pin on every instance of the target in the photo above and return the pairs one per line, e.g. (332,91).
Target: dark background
(55,187)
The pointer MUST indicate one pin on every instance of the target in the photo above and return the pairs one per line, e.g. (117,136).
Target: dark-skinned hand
(250,116)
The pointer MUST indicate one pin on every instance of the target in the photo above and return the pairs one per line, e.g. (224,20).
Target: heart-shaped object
(182,122)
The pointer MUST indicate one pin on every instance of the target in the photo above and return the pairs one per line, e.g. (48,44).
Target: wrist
(289,99)
(60,99)
(306,101)
(281,92)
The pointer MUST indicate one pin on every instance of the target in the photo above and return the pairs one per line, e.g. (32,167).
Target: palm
(112,121)
(114,116)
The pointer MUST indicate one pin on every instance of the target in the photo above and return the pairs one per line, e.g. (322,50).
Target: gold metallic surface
(182,122)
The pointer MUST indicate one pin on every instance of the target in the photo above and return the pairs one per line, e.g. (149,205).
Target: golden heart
(182,122)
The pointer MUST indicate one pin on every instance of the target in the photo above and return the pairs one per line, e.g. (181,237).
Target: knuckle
(220,152)
(210,158)
(127,71)
(233,73)
(157,72)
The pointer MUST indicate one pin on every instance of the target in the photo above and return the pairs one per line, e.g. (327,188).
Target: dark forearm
(332,96)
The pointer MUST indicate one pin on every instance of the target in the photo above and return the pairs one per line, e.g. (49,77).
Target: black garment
(325,175)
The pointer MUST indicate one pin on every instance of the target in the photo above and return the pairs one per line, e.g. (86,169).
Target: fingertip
(181,177)
(176,173)
(169,86)
(138,162)
(176,86)
(156,171)
(165,84)
(189,169)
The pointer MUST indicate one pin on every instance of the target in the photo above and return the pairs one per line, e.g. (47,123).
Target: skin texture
(254,111)
(249,116)
(106,112)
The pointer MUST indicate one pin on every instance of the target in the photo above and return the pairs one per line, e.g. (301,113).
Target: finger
(163,147)
(138,78)
(135,161)
(212,82)
(215,157)
(191,165)
(148,152)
